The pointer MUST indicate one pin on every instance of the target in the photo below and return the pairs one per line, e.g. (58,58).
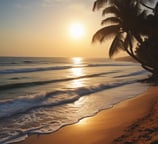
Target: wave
(46,99)
(7,63)
(113,64)
(132,74)
(39,69)
(28,61)
(27,70)
(36,83)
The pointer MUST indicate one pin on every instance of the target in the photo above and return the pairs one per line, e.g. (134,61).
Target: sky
(41,28)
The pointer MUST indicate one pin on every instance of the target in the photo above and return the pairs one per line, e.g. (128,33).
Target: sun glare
(77,60)
(77,30)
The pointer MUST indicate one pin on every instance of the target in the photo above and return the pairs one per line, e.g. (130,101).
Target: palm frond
(148,7)
(136,8)
(128,42)
(111,20)
(94,6)
(146,1)
(101,3)
(105,32)
(138,37)
(117,44)
(143,14)
(111,9)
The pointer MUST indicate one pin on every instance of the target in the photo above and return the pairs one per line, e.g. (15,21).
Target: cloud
(48,3)
(22,6)
(27,4)
(53,3)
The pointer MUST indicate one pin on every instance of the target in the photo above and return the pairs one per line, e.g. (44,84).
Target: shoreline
(118,123)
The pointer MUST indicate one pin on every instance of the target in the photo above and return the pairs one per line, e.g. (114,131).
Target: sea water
(41,95)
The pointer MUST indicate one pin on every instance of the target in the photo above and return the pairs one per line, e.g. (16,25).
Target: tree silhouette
(129,22)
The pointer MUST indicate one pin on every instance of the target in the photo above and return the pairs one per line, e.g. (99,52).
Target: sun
(77,30)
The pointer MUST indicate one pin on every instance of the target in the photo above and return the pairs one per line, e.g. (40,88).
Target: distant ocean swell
(40,69)
(36,83)
(28,84)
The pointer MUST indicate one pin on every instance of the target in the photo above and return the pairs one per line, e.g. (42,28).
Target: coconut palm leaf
(105,32)
(101,3)
(146,6)
(111,20)
(143,14)
(128,42)
(111,10)
(117,44)
(138,37)
(146,1)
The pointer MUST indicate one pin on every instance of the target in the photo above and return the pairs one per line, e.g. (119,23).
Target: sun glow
(77,60)
(77,30)
(77,72)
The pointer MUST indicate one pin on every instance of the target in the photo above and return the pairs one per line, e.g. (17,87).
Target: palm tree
(128,23)
(122,26)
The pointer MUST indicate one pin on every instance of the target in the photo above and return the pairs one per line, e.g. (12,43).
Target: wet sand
(132,121)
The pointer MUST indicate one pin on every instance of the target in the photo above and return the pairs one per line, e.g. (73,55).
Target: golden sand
(132,121)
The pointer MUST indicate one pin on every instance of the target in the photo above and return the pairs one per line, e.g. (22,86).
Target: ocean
(41,95)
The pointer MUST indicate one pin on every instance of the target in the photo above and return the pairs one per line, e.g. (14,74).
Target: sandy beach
(131,121)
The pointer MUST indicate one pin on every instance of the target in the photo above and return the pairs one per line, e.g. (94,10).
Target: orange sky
(42,28)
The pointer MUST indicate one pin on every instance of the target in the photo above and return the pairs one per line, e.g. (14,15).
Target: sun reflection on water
(77,61)
(77,83)
(76,72)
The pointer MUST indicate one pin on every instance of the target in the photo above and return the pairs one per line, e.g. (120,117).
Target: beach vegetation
(133,27)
